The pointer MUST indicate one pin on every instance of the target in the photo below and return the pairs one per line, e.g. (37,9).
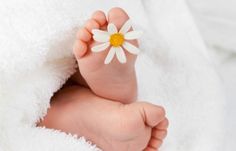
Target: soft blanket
(174,70)
(216,20)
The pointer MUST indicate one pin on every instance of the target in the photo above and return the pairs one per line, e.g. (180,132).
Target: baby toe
(159,134)
(79,49)
(163,125)
(117,16)
(84,35)
(155,143)
(91,24)
(100,17)
(152,114)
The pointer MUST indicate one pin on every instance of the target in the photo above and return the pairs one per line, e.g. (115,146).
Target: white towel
(217,22)
(174,70)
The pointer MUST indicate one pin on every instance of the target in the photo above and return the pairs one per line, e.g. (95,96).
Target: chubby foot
(115,81)
(111,125)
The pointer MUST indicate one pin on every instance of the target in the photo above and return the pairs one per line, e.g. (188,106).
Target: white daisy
(117,40)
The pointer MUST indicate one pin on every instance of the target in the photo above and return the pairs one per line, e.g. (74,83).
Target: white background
(216,20)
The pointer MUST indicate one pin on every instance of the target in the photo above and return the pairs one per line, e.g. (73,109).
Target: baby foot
(115,81)
(111,125)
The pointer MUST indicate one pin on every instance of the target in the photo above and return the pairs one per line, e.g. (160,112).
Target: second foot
(110,125)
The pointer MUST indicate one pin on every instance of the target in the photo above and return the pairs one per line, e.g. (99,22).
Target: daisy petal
(111,28)
(101,47)
(110,55)
(101,37)
(120,54)
(98,32)
(131,48)
(126,27)
(133,35)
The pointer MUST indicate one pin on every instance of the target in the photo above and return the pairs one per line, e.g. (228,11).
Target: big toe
(152,114)
(117,16)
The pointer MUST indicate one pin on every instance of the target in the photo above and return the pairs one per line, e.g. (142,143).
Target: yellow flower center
(116,39)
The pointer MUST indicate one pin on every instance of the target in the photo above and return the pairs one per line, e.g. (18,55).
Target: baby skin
(114,81)
(100,105)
